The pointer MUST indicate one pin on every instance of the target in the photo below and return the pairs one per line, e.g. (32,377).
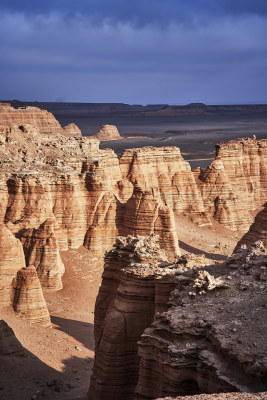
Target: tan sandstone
(108,132)
(29,302)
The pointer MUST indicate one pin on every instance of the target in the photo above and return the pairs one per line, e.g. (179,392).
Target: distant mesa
(108,132)
(42,120)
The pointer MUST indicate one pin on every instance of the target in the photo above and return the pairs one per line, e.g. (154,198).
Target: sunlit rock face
(164,173)
(108,132)
(43,120)
(71,130)
(41,250)
(235,182)
(11,261)
(29,302)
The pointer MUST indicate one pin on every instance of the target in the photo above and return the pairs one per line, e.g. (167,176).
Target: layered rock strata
(124,307)
(72,130)
(43,120)
(257,231)
(11,261)
(168,177)
(203,325)
(29,302)
(235,182)
(108,132)
(212,338)
(41,250)
(135,286)
(144,214)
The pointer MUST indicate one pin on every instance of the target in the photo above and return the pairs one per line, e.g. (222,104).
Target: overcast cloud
(160,51)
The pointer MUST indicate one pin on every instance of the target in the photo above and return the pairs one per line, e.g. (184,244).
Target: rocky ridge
(184,347)
(43,120)
(235,182)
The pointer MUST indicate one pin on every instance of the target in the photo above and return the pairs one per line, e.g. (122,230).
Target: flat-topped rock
(41,119)
(108,132)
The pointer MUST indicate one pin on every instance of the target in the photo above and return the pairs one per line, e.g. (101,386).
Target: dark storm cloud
(139,12)
(134,51)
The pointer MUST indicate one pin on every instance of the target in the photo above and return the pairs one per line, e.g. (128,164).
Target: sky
(134,51)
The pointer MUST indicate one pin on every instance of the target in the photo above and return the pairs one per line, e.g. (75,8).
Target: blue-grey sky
(134,51)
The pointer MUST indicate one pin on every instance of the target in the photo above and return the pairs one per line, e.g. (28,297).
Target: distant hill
(86,109)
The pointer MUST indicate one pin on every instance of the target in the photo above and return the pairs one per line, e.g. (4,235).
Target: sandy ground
(59,359)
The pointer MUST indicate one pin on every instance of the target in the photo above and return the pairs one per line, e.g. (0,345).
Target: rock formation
(235,182)
(29,302)
(144,214)
(257,231)
(189,349)
(42,120)
(185,348)
(164,173)
(108,132)
(11,261)
(124,307)
(9,344)
(41,250)
(72,130)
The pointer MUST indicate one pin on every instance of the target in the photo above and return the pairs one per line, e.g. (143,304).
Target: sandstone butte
(43,120)
(107,132)
(157,335)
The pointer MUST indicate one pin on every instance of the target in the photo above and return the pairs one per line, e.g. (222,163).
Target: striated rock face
(41,250)
(43,120)
(72,130)
(203,325)
(11,261)
(235,182)
(124,307)
(164,173)
(144,214)
(136,284)
(108,132)
(29,302)
(9,344)
(257,231)
(211,340)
